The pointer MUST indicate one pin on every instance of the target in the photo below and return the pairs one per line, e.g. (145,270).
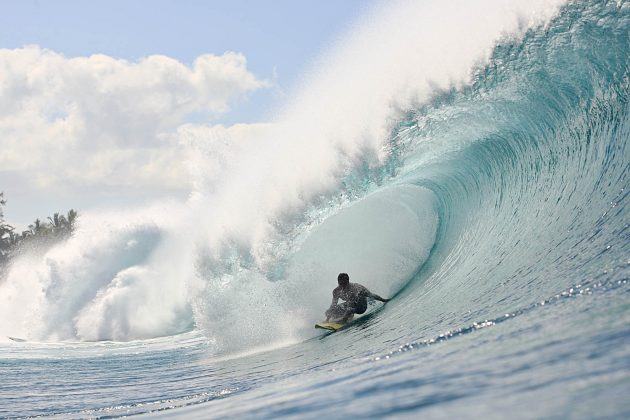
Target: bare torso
(355,294)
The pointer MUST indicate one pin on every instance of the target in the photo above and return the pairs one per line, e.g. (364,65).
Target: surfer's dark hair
(343,278)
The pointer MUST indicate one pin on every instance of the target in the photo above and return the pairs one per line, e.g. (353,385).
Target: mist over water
(472,165)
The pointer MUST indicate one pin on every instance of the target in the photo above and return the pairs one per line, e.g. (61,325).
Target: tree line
(55,229)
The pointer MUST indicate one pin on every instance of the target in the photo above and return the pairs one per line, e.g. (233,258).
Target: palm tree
(58,225)
(2,203)
(55,222)
(72,219)
(5,230)
(36,228)
(14,239)
(62,225)
(6,233)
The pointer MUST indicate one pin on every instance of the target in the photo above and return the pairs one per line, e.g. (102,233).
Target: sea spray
(121,276)
(259,192)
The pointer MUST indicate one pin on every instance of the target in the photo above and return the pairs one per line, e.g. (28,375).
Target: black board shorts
(357,308)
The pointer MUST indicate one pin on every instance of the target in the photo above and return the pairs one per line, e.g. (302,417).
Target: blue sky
(279,38)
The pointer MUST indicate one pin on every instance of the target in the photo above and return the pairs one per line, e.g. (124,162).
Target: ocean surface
(473,166)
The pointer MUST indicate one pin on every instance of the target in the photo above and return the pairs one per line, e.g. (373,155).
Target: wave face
(531,167)
(495,213)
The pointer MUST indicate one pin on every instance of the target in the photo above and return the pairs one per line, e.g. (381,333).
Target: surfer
(355,298)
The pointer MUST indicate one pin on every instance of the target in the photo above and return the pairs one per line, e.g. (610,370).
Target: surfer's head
(343,279)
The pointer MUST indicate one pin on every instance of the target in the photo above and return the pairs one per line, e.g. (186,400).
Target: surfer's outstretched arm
(377,297)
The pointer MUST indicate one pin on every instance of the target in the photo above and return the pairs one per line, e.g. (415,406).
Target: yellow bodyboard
(332,326)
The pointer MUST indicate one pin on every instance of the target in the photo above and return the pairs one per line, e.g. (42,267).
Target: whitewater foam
(120,277)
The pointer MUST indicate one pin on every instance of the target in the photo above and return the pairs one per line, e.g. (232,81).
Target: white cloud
(100,121)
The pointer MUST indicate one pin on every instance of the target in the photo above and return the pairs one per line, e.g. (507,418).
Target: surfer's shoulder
(357,287)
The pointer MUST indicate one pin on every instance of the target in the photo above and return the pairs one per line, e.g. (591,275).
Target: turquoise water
(499,220)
